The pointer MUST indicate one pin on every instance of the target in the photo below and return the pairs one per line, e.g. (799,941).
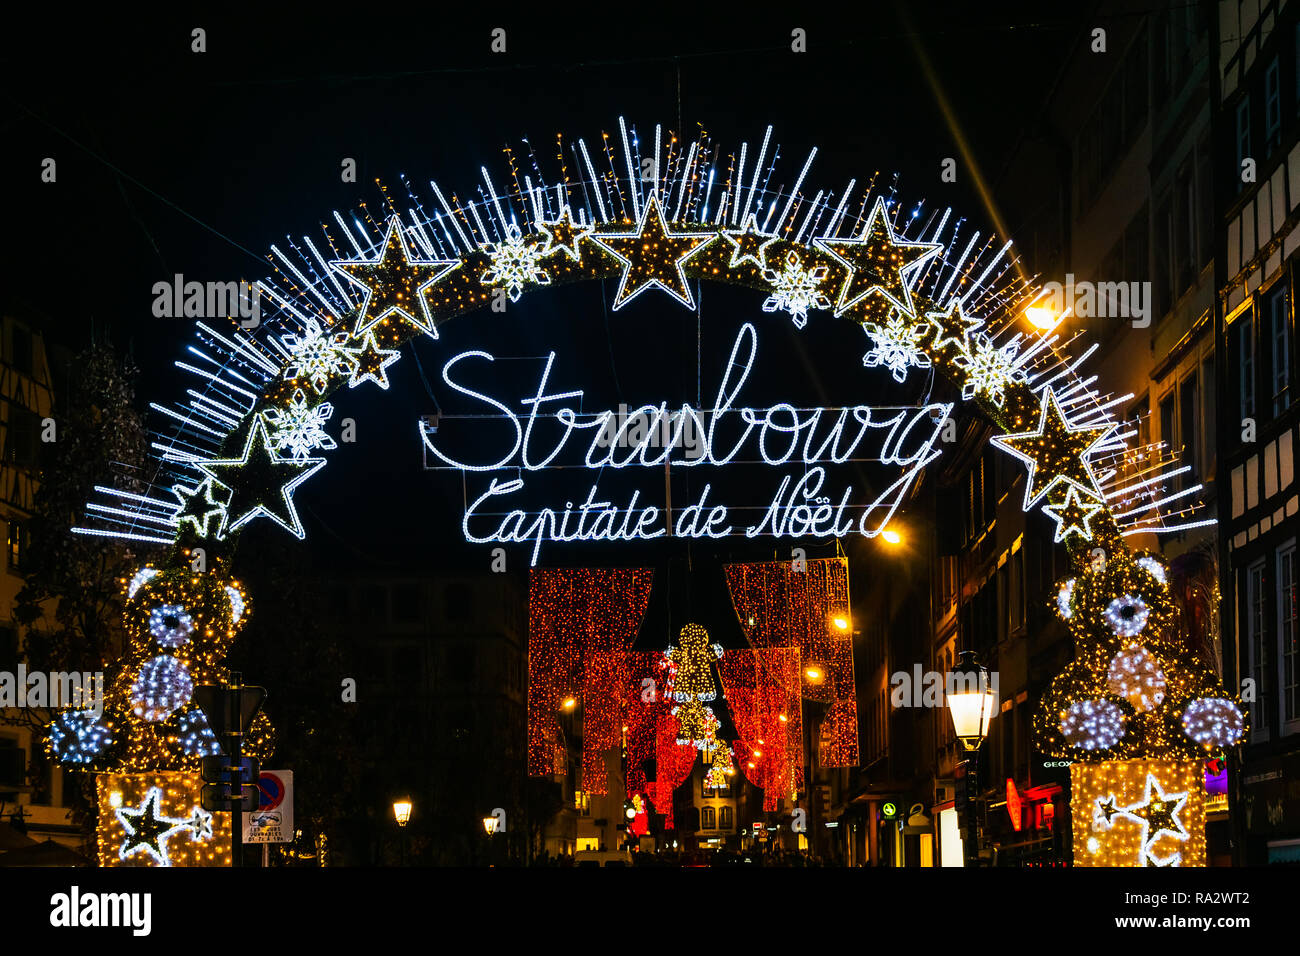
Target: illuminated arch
(927,291)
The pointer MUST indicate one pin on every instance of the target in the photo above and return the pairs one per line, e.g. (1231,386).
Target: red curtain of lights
(805,604)
(763,695)
(581,622)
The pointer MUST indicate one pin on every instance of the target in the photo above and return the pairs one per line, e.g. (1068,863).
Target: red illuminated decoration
(796,604)
(651,733)
(762,692)
(639,824)
(581,622)
(1014,807)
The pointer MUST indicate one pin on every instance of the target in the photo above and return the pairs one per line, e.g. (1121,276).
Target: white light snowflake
(514,264)
(896,345)
(794,289)
(989,368)
(299,427)
(316,355)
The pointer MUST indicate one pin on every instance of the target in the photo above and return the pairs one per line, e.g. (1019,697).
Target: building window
(707,791)
(460,664)
(17,545)
(1256,638)
(22,436)
(1168,420)
(1243,136)
(406,604)
(1272,106)
(22,342)
(708,818)
(1246,363)
(726,820)
(456,600)
(1288,635)
(1280,331)
(1189,408)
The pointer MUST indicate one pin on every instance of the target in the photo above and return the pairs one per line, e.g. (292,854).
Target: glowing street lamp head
(490,825)
(814,674)
(1041,317)
(841,622)
(892,536)
(569,703)
(402,811)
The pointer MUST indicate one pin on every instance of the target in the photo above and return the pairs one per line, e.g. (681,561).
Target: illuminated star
(146,830)
(395,282)
(749,245)
(1161,815)
(653,257)
(879,265)
(371,362)
(1056,451)
(1073,514)
(1108,808)
(563,235)
(257,479)
(197,506)
(953,326)
(200,825)
(1157,817)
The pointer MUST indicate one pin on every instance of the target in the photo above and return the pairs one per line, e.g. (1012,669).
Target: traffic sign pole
(236,745)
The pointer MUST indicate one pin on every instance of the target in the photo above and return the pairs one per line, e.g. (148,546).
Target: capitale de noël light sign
(797,445)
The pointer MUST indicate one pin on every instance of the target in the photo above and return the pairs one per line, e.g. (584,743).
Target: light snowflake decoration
(195,735)
(315,355)
(1063,596)
(236,604)
(299,427)
(139,580)
(989,368)
(78,736)
(795,289)
(162,687)
(1092,724)
(1154,568)
(896,345)
(1136,676)
(514,263)
(170,625)
(1127,615)
(1213,722)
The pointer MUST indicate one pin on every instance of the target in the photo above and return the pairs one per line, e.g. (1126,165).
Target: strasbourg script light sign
(797,443)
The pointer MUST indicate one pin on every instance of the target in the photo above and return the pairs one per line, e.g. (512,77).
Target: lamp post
(971,703)
(402,813)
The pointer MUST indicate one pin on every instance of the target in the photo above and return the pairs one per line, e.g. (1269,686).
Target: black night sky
(175,162)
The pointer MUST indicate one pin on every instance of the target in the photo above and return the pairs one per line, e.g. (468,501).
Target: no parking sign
(272,821)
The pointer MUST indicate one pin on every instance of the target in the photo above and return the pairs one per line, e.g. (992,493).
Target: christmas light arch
(928,291)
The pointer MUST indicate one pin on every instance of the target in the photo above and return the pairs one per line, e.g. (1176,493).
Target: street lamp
(971,702)
(490,825)
(402,813)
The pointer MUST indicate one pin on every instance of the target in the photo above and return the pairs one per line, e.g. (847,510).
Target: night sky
(170,161)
